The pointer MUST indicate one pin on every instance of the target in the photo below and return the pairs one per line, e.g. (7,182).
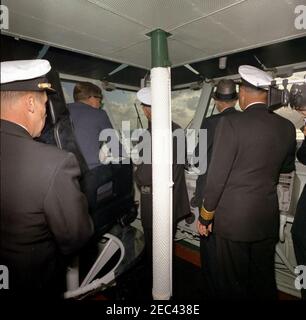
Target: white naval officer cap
(254,77)
(144,96)
(25,75)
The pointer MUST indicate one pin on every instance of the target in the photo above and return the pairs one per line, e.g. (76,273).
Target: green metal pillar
(159,48)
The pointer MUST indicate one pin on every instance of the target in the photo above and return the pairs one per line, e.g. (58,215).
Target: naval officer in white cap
(251,148)
(44,215)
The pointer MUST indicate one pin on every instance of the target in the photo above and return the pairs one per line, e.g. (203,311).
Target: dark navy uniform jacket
(251,149)
(210,124)
(43,212)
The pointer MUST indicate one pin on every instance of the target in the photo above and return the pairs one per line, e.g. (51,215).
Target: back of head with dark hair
(84,90)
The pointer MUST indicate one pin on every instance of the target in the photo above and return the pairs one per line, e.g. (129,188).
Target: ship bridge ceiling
(112,32)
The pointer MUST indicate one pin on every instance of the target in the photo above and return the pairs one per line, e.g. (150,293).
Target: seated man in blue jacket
(89,120)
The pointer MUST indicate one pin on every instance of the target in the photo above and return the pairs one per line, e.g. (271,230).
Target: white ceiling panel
(165,14)
(209,36)
(247,25)
(78,16)
(33,28)
(138,54)
(261,21)
(141,53)
(179,51)
(116,29)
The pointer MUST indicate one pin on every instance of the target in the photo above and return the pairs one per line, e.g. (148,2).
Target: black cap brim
(40,84)
(225,97)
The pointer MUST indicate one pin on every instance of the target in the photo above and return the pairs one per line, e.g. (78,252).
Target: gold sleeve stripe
(207,215)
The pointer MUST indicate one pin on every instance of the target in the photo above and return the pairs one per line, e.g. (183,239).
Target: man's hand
(204,230)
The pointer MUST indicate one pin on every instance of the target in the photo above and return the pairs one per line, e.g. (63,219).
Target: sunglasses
(98,97)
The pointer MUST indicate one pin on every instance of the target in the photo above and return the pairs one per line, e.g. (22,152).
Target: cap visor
(225,97)
(49,90)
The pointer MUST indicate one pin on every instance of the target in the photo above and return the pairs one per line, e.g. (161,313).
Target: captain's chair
(115,208)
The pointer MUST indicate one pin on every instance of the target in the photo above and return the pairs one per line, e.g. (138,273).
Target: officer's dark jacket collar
(12,128)
(229,110)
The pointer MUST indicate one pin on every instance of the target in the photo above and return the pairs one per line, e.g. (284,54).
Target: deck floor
(135,285)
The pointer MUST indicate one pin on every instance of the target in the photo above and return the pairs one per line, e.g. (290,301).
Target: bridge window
(184,104)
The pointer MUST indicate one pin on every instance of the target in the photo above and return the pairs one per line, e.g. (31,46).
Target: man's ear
(144,110)
(148,111)
(29,101)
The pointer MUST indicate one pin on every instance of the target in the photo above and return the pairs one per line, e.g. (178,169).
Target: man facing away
(44,216)
(225,98)
(89,120)
(250,150)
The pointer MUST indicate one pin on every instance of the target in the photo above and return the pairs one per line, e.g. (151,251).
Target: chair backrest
(59,128)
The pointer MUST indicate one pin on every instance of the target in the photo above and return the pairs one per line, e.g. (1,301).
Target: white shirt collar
(258,102)
(20,125)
